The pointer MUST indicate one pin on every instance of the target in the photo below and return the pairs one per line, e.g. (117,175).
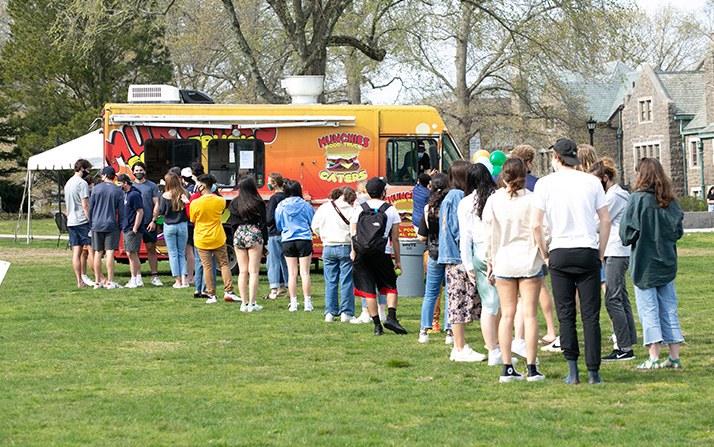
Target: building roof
(699,121)
(603,96)
(685,88)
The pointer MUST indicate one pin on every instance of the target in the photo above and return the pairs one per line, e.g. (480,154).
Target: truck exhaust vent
(154,94)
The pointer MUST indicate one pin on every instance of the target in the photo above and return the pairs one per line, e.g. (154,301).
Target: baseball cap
(186,172)
(375,187)
(568,151)
(108,170)
(124,178)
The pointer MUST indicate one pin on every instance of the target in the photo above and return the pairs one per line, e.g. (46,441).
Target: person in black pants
(570,200)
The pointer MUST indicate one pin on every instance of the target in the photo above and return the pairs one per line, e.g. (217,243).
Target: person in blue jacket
(293,217)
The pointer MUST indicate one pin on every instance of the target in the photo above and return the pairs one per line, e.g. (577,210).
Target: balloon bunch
(493,161)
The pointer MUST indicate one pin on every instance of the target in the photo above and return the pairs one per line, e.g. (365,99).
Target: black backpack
(369,236)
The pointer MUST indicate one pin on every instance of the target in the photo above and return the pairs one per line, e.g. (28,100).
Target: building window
(649,150)
(696,192)
(694,154)
(645,110)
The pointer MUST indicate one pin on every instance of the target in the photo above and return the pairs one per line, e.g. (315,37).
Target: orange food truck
(321,146)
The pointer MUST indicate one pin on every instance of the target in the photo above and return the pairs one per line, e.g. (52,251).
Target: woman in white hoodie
(617,259)
(331,224)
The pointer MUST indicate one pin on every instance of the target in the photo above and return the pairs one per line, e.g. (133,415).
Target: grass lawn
(38,227)
(154,366)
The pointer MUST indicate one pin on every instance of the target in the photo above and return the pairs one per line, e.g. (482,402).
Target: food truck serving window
(229,160)
(161,155)
(407,158)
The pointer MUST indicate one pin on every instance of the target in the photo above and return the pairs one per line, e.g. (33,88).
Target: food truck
(321,146)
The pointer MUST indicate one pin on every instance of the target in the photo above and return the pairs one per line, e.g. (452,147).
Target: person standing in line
(132,228)
(435,272)
(513,259)
(550,340)
(106,212)
(463,303)
(570,200)
(250,232)
(617,259)
(652,225)
(76,196)
(210,238)
(420,197)
(275,261)
(293,217)
(362,197)
(710,200)
(150,196)
(172,205)
(479,187)
(198,274)
(373,268)
(331,223)
(189,184)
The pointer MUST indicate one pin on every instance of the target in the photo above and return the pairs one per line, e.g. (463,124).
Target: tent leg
(29,202)
(59,187)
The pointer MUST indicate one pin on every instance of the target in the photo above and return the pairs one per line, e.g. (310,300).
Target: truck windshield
(231,159)
(160,155)
(450,152)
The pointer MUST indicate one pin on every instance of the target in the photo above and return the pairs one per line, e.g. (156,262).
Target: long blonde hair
(174,187)
(587,156)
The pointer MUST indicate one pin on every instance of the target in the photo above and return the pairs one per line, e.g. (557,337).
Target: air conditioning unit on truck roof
(151,94)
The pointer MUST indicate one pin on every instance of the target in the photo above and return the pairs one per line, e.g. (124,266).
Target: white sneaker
(363,318)
(423,337)
(494,357)
(308,305)
(230,297)
(113,285)
(138,281)
(177,285)
(466,355)
(244,307)
(553,347)
(98,285)
(87,281)
(131,284)
(155,281)
(346,318)
(212,299)
(329,318)
(518,347)
(293,306)
(254,307)
(449,339)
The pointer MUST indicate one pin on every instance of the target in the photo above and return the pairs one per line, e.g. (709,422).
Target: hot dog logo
(341,157)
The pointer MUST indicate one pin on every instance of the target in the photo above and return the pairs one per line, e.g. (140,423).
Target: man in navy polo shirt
(150,197)
(133,228)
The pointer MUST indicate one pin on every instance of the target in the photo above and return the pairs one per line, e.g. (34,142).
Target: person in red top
(209,237)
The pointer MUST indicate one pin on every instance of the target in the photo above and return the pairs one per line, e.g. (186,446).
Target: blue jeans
(275,263)
(657,309)
(435,274)
(338,275)
(176,236)
(198,272)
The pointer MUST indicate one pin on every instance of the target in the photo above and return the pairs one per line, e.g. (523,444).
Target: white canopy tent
(90,147)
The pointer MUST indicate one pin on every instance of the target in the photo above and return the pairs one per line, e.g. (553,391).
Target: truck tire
(232,259)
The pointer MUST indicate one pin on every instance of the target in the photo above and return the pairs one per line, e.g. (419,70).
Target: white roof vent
(304,89)
(156,94)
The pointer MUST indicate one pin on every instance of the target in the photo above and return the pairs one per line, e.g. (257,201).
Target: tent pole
(59,198)
(29,202)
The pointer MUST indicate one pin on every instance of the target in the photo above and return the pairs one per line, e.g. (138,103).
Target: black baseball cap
(568,151)
(375,187)
(108,170)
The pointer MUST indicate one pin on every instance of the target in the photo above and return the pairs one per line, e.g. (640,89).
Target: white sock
(293,300)
(308,298)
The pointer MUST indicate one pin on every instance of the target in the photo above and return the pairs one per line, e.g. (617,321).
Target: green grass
(154,366)
(38,227)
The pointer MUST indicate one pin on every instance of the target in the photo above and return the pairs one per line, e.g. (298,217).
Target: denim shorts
(540,274)
(79,235)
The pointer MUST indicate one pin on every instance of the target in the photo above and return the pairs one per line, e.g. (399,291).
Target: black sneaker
(394,326)
(510,374)
(534,376)
(378,330)
(619,355)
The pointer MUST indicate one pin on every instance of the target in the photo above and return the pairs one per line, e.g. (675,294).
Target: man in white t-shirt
(571,200)
(76,196)
(376,271)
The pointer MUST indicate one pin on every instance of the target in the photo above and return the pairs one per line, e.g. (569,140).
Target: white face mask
(554,165)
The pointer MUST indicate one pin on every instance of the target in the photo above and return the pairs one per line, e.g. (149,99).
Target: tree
(55,83)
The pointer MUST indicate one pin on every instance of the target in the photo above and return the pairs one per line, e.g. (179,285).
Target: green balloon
(497,158)
(497,169)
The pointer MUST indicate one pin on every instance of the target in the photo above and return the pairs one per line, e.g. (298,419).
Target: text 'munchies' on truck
(320,146)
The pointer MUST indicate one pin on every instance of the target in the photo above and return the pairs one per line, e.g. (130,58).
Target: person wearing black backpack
(373,224)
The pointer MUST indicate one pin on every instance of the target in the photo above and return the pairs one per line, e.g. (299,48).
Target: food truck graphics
(321,146)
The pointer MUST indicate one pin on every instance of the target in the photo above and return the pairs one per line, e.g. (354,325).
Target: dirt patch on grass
(27,254)
(151,347)
(694,252)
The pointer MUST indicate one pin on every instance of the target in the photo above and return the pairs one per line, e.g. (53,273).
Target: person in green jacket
(652,224)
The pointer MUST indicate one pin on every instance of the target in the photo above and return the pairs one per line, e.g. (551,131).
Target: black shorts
(374,272)
(297,249)
(150,237)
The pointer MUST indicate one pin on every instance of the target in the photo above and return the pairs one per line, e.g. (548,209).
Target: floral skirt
(246,236)
(463,299)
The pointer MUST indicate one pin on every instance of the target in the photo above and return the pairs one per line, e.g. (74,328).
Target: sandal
(543,341)
(649,364)
(671,363)
(271,296)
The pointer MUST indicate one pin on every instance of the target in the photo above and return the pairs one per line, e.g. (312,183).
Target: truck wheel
(232,260)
